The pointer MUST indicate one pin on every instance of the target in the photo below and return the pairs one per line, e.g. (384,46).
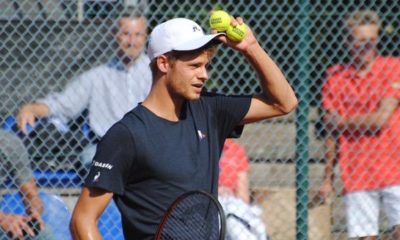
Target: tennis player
(171,143)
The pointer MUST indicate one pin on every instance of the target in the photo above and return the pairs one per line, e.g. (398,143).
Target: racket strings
(194,217)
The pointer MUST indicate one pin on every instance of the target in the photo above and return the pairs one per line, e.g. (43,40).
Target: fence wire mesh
(47,44)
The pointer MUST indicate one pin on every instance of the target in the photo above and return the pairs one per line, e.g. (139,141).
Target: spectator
(233,176)
(243,218)
(108,91)
(14,162)
(362,116)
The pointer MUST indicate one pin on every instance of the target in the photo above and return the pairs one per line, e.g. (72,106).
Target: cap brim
(197,43)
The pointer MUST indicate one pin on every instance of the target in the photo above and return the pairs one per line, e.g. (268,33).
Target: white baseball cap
(179,34)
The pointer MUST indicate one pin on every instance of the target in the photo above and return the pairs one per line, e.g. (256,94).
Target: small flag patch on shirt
(201,135)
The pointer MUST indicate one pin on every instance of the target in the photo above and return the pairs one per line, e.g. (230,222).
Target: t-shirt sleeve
(113,160)
(230,111)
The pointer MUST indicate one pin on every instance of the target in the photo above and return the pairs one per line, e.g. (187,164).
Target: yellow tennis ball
(237,33)
(220,20)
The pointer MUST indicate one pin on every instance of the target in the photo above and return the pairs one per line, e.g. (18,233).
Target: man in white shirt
(107,91)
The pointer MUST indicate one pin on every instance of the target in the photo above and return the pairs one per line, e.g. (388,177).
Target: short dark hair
(210,48)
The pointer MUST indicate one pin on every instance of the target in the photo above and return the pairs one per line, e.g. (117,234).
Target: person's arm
(32,202)
(64,105)
(331,160)
(15,225)
(87,211)
(116,149)
(28,114)
(242,187)
(373,121)
(277,98)
(31,198)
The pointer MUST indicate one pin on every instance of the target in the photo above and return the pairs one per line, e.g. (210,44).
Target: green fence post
(302,91)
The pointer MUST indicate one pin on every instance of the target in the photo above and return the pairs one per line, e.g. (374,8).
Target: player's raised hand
(233,35)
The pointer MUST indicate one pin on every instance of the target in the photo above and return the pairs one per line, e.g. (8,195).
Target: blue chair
(56,213)
(110,224)
(10,124)
(58,179)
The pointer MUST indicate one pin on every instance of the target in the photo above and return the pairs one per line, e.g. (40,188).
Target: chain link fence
(45,44)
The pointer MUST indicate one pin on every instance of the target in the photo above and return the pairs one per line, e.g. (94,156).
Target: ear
(162,63)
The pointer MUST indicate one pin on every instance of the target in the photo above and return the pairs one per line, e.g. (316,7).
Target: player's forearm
(84,229)
(274,84)
(87,212)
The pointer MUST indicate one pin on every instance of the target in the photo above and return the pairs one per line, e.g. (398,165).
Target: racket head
(193,215)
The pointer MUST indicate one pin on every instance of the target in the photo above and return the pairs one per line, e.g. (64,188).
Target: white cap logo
(196,29)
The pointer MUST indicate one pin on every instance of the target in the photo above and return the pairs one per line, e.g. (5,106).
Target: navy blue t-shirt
(148,161)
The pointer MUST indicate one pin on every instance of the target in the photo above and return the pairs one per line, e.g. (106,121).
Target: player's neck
(162,104)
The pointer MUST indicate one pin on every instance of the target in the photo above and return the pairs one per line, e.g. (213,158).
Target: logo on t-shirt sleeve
(102,165)
(96,177)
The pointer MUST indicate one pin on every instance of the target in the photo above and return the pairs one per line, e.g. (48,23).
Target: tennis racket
(193,215)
